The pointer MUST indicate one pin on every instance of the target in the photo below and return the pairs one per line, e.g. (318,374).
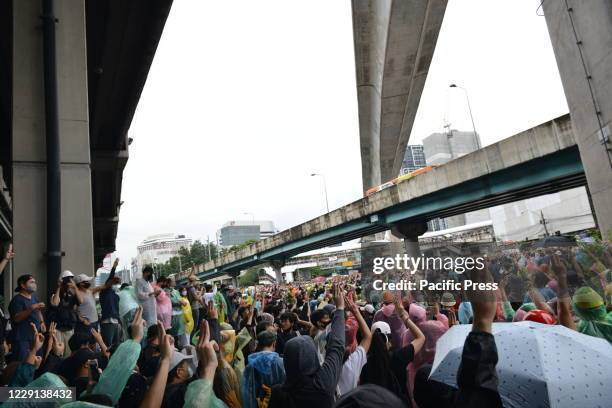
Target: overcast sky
(245,100)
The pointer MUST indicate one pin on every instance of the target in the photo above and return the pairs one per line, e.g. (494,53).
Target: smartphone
(93,367)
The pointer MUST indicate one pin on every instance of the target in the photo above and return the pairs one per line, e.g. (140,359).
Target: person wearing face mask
(63,309)
(187,314)
(88,314)
(182,367)
(146,296)
(177,321)
(109,302)
(320,320)
(25,310)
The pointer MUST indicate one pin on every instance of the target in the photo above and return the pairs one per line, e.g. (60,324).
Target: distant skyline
(245,100)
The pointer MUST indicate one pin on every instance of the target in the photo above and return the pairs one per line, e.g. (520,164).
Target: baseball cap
(382,326)
(82,278)
(369,308)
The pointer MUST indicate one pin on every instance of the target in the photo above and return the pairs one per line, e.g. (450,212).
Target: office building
(440,148)
(158,249)
(566,212)
(414,159)
(237,232)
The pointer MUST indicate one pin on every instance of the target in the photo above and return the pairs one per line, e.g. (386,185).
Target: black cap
(22,280)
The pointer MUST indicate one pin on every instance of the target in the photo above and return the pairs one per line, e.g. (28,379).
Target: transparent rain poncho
(46,381)
(200,394)
(119,369)
(589,306)
(127,300)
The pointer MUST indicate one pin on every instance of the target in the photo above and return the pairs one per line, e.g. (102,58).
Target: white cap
(65,274)
(383,326)
(188,354)
(369,308)
(82,278)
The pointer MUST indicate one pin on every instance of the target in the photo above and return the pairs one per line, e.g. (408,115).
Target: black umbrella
(555,241)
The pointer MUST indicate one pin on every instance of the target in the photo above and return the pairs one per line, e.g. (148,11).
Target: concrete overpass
(102,53)
(538,161)
(394,45)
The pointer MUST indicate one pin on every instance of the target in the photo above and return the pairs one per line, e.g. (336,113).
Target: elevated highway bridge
(538,161)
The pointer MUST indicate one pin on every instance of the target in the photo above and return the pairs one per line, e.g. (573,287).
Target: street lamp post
(324,187)
(252,216)
(470,110)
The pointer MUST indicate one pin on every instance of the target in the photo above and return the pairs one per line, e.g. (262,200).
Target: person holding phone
(64,305)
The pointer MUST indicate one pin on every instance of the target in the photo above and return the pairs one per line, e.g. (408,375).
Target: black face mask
(86,285)
(149,278)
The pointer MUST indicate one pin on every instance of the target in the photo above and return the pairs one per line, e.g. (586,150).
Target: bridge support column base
(277,266)
(410,233)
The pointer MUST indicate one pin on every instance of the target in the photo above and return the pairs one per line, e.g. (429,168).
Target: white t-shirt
(351,370)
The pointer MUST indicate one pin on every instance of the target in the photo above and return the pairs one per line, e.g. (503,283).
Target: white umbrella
(538,365)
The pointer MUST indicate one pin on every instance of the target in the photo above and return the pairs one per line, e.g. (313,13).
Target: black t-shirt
(65,313)
(282,338)
(395,381)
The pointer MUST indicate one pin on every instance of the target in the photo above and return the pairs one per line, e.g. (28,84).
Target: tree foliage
(250,278)
(197,254)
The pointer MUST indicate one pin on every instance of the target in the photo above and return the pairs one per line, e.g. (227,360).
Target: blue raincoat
(265,367)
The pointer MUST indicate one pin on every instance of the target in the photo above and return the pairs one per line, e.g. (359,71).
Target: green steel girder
(554,172)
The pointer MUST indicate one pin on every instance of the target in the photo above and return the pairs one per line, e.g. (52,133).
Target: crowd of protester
(319,343)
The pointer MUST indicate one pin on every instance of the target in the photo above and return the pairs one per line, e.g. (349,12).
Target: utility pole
(208,245)
(543,222)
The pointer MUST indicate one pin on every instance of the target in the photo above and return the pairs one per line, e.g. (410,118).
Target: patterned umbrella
(539,365)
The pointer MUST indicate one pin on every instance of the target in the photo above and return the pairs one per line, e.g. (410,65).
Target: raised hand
(212,310)
(58,346)
(338,297)
(137,326)
(206,351)
(39,338)
(9,253)
(166,343)
(483,301)
(96,335)
(351,306)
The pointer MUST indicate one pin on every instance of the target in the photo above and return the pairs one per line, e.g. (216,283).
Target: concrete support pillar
(581,36)
(28,144)
(234,276)
(277,265)
(410,233)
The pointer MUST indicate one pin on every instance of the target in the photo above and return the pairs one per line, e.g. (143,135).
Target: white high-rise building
(158,249)
(440,148)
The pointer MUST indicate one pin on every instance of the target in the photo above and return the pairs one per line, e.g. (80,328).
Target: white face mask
(190,371)
(116,288)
